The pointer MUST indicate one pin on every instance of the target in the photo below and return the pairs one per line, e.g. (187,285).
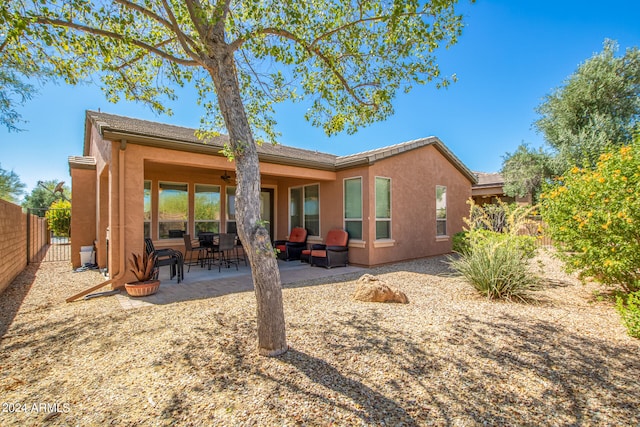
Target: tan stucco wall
(414,176)
(83,211)
(13,242)
(122,168)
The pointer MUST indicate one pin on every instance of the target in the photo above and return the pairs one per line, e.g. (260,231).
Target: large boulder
(370,288)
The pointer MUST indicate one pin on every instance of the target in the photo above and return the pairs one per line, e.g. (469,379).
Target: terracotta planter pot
(142,289)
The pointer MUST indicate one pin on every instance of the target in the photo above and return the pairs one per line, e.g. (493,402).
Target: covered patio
(201,283)
(140,180)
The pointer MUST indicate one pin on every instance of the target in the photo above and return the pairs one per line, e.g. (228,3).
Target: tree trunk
(255,237)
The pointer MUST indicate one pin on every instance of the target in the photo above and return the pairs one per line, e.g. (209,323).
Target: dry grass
(447,358)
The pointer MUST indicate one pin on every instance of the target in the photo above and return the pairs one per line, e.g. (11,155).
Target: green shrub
(594,218)
(498,268)
(59,218)
(630,313)
(460,242)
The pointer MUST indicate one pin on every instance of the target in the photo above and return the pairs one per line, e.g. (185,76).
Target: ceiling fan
(226,177)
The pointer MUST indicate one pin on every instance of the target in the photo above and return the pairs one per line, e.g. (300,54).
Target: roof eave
(203,148)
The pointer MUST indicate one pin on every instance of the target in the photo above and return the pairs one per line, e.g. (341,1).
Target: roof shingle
(114,124)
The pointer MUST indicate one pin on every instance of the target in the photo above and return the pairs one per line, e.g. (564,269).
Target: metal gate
(48,235)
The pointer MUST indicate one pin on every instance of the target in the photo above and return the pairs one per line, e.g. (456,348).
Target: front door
(266,209)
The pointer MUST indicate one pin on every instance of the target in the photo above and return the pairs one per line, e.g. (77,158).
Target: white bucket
(87,255)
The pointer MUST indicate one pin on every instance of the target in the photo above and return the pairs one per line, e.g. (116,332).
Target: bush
(594,217)
(59,218)
(493,255)
(462,241)
(497,268)
(630,313)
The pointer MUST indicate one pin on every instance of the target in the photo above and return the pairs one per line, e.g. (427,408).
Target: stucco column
(83,205)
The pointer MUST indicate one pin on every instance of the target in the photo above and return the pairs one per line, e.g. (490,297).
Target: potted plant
(145,270)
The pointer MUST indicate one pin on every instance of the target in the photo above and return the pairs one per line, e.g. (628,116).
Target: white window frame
(441,220)
(227,221)
(150,220)
(186,221)
(344,207)
(382,219)
(195,205)
(304,221)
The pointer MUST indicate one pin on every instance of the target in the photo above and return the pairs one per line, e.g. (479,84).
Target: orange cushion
(337,238)
(318,253)
(306,251)
(298,235)
(281,248)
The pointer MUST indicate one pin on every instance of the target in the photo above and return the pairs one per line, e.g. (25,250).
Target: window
(304,208)
(207,208)
(441,210)
(231,210)
(173,209)
(147,209)
(353,207)
(383,208)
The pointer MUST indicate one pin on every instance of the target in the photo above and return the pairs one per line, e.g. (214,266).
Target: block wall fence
(13,241)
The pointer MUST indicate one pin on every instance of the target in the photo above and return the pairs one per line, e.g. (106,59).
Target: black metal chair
(241,254)
(189,249)
(168,256)
(221,254)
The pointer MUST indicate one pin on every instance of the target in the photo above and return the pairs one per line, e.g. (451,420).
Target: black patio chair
(168,256)
(189,251)
(222,254)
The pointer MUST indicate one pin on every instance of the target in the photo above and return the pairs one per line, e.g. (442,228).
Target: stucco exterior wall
(13,242)
(117,199)
(83,211)
(414,177)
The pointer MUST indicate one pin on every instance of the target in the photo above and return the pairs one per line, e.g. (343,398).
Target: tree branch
(139,57)
(116,36)
(146,12)
(182,37)
(202,27)
(263,86)
(170,25)
(345,26)
(313,50)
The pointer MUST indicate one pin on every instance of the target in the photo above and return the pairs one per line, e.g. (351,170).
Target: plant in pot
(145,270)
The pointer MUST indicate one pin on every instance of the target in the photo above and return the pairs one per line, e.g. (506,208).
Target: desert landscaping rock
(448,358)
(370,288)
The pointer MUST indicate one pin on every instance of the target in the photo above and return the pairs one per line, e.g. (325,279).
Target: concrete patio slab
(201,283)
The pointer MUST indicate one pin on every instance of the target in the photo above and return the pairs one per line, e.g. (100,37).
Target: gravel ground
(449,357)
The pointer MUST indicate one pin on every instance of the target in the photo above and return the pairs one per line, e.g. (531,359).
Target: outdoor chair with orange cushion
(291,249)
(334,252)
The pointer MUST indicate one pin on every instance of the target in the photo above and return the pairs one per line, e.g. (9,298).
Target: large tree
(596,106)
(525,170)
(44,194)
(19,70)
(350,58)
(11,188)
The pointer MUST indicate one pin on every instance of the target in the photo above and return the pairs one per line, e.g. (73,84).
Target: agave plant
(143,266)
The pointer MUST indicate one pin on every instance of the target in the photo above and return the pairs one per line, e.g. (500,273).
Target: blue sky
(512,53)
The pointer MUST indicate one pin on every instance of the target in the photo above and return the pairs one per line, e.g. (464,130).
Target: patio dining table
(208,239)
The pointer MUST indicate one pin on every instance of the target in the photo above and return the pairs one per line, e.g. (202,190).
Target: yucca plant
(497,268)
(143,266)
